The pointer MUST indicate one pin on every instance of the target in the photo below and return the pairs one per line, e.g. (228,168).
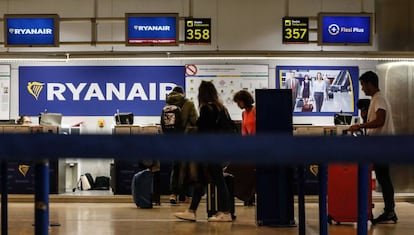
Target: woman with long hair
(210,107)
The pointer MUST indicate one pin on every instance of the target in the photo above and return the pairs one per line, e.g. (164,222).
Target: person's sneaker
(186,215)
(386,217)
(220,217)
(173,199)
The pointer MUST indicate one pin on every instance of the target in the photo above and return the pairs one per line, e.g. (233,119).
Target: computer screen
(124,118)
(50,119)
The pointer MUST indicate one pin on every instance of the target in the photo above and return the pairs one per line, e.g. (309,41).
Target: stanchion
(301,199)
(4,219)
(363,199)
(323,188)
(42,197)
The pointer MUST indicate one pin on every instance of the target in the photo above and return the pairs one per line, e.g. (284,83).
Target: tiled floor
(112,218)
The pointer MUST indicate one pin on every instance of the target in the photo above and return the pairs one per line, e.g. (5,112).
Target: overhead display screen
(31,30)
(345,29)
(151,29)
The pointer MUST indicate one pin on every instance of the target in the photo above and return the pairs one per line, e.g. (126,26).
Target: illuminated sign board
(345,29)
(96,90)
(197,31)
(31,30)
(151,29)
(295,30)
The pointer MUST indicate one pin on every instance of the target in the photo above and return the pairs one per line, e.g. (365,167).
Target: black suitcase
(212,199)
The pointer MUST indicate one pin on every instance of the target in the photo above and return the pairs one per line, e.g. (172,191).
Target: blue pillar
(42,197)
(4,219)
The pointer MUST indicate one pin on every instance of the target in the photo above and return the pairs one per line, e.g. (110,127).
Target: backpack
(225,124)
(171,119)
(85,182)
(102,183)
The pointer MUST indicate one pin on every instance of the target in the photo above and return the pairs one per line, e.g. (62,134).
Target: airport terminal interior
(105,67)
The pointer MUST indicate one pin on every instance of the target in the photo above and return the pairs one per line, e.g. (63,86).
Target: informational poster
(5,92)
(96,90)
(320,90)
(228,79)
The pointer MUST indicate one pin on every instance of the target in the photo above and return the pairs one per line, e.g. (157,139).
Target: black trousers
(382,173)
(216,173)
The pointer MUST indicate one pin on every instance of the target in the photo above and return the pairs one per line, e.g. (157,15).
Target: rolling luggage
(244,180)
(343,193)
(142,188)
(212,198)
(307,107)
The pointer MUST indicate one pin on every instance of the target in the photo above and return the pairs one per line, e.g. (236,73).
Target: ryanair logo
(28,31)
(23,169)
(34,88)
(96,91)
(314,169)
(152,27)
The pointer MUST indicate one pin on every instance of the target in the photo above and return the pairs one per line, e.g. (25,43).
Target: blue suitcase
(142,188)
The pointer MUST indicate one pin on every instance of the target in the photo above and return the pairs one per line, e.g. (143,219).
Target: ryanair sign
(31,30)
(151,29)
(96,90)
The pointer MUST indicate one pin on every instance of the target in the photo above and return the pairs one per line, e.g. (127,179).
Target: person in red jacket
(244,174)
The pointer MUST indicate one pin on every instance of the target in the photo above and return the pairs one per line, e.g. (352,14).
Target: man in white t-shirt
(379,123)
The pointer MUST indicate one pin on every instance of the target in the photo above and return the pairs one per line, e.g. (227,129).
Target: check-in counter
(402,176)
(311,170)
(21,172)
(123,171)
(135,129)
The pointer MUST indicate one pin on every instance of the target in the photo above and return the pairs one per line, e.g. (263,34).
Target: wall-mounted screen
(320,90)
(149,29)
(32,30)
(345,29)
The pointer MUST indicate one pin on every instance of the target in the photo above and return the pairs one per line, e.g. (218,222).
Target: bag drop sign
(96,90)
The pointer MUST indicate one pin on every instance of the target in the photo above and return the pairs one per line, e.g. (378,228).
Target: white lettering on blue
(137,91)
(152,27)
(31,31)
(55,90)
(76,90)
(62,91)
(94,91)
(111,89)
